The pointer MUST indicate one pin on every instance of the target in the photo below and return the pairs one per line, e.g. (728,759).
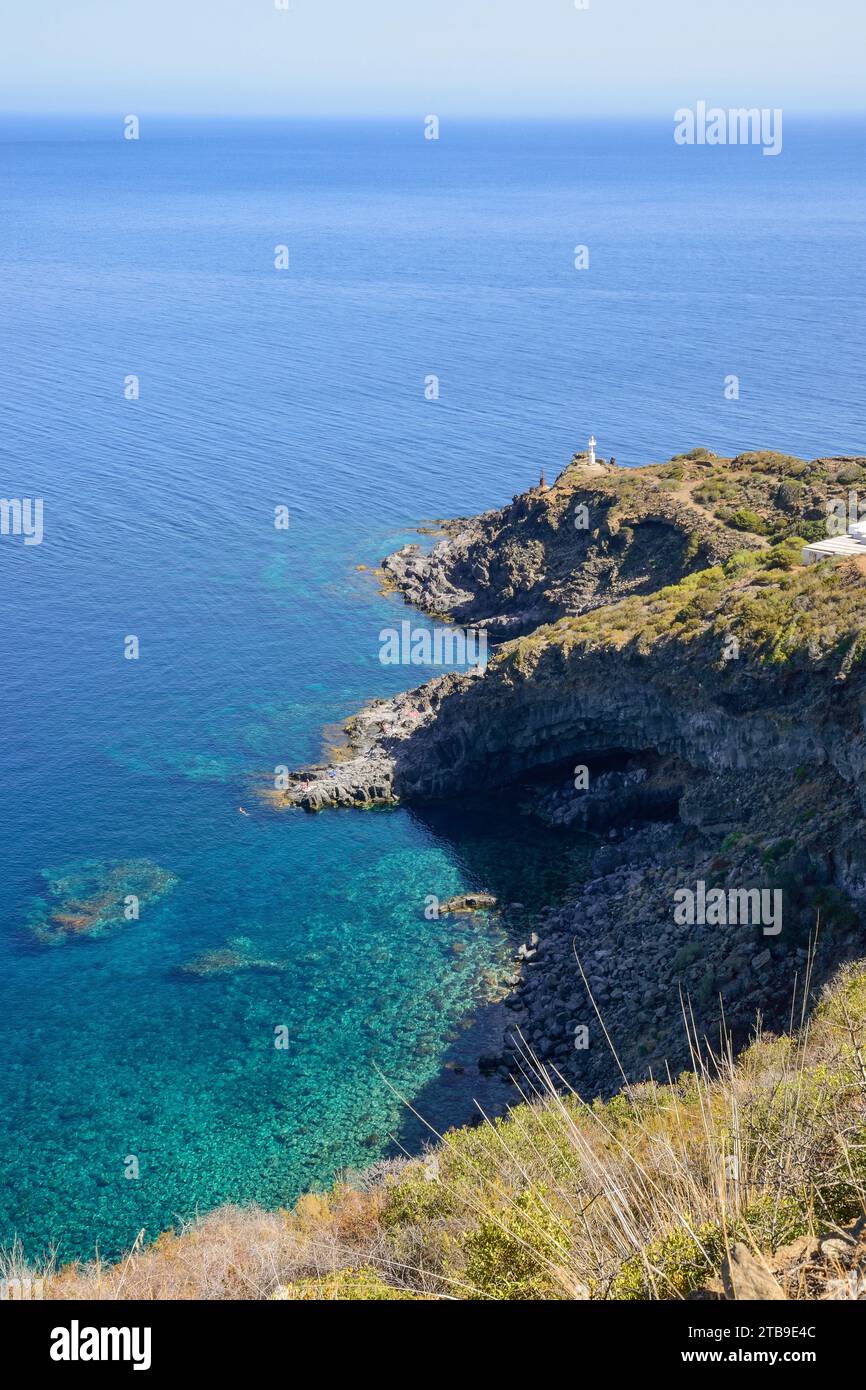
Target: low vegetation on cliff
(602,533)
(761,492)
(776,609)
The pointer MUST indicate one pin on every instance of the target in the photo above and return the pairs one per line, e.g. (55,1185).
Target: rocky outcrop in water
(467,902)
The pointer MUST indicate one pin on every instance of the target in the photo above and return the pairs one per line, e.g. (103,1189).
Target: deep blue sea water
(306,388)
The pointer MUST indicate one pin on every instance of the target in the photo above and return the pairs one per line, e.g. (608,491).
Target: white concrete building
(852,543)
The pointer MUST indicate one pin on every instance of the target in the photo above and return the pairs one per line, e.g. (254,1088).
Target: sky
(445,57)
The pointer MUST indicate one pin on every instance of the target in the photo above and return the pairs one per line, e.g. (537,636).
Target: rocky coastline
(668,676)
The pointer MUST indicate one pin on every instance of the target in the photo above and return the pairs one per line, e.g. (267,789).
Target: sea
(240,362)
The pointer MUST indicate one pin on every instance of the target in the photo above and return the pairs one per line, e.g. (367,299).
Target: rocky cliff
(656,628)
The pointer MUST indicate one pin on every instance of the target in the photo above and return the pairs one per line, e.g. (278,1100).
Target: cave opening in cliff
(598,791)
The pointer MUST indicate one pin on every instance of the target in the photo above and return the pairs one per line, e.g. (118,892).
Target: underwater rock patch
(91,898)
(230,959)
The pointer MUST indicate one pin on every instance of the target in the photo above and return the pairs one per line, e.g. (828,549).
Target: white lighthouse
(591,446)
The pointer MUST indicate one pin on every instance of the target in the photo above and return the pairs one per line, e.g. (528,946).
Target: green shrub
(744,519)
(680,1262)
(509,1253)
(812,530)
(356,1285)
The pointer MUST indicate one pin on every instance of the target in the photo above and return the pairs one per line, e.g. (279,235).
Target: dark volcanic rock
(751,759)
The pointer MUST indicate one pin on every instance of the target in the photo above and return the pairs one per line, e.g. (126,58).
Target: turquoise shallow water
(307,390)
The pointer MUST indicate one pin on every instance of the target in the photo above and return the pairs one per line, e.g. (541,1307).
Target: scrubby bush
(744,519)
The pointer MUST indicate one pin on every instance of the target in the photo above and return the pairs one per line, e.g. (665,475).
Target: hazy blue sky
(445,56)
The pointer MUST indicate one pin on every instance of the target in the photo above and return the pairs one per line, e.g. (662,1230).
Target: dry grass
(235,1253)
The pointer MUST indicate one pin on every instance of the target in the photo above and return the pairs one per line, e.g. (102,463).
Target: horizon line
(656,114)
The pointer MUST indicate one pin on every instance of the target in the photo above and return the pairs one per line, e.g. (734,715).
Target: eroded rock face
(470,734)
(645,788)
(543,700)
(750,758)
(535,560)
(364,775)
(617,952)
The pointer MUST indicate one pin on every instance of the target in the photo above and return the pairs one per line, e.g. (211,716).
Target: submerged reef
(230,959)
(92,898)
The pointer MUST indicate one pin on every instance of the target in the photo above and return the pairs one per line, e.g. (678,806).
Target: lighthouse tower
(591,448)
